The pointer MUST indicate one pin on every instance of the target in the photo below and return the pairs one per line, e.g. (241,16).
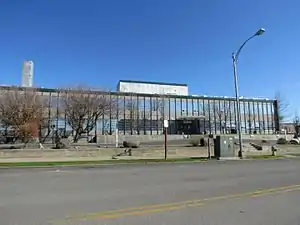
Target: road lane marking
(155,210)
(173,208)
(276,192)
(111,214)
(193,201)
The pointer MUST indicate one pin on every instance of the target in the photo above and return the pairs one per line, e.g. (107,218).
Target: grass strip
(98,162)
(264,157)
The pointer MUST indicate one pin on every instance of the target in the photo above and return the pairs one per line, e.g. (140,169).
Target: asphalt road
(216,193)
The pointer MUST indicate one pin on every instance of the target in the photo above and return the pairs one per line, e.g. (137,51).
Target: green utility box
(224,146)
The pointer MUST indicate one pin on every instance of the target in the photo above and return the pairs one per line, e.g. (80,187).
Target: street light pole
(236,87)
(237,99)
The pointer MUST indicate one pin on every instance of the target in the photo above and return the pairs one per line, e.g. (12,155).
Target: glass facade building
(143,114)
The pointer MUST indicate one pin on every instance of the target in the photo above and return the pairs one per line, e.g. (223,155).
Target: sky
(97,43)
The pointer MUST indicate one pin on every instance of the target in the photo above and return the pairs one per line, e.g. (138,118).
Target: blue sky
(98,42)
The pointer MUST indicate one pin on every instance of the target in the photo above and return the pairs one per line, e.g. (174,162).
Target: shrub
(129,144)
(194,142)
(281,141)
(59,145)
(203,142)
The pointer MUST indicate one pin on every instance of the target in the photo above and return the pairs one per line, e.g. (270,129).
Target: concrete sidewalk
(32,155)
(106,154)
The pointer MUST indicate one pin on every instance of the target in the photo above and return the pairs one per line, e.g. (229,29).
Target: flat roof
(129,94)
(152,82)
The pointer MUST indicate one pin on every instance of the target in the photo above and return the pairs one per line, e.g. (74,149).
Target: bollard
(274,150)
(208,149)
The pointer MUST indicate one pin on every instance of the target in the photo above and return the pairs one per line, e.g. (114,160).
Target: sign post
(117,138)
(166,125)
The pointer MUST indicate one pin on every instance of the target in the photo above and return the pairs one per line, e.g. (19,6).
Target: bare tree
(131,107)
(48,118)
(161,106)
(223,111)
(219,112)
(283,107)
(83,107)
(22,112)
(136,116)
(296,123)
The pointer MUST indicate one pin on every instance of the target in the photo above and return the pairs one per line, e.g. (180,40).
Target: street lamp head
(260,31)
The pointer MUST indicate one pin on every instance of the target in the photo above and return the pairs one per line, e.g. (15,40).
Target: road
(216,193)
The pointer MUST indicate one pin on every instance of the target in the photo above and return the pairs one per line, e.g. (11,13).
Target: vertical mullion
(192,107)
(250,117)
(187,107)
(151,114)
(57,114)
(117,109)
(230,115)
(258,116)
(272,117)
(267,114)
(198,107)
(180,107)
(245,117)
(215,118)
(203,110)
(221,116)
(49,114)
(43,119)
(157,123)
(110,111)
(124,114)
(144,99)
(263,116)
(225,116)
(132,112)
(169,100)
(175,108)
(254,116)
(209,115)
(138,114)
(235,115)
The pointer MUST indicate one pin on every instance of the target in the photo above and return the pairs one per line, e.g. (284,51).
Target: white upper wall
(152,88)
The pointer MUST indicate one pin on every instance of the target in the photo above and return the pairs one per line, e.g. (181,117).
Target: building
(27,74)
(144,87)
(143,114)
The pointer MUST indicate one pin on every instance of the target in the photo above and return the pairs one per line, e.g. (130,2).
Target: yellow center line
(172,208)
(110,214)
(276,192)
